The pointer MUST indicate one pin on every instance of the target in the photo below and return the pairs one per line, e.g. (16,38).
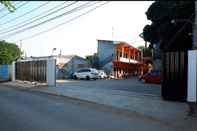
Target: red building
(127,60)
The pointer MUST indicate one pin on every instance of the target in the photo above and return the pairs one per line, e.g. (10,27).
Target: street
(129,85)
(22,110)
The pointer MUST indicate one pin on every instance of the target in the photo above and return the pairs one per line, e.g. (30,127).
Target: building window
(120,54)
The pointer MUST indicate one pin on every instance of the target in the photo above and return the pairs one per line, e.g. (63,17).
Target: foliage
(161,13)
(92,60)
(146,51)
(8,5)
(9,52)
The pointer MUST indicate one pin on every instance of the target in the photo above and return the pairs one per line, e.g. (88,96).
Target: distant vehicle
(87,73)
(151,77)
(102,74)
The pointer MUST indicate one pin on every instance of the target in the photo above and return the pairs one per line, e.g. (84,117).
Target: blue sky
(79,36)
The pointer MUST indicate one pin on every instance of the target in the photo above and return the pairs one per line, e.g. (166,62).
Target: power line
(48,20)
(61,24)
(42,13)
(16,9)
(34,9)
(39,18)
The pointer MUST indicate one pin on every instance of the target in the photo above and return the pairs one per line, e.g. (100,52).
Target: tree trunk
(145,44)
(195,29)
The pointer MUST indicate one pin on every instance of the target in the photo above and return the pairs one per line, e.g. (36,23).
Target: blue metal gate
(4,72)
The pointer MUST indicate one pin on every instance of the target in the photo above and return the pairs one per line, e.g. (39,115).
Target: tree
(92,60)
(8,5)
(173,35)
(146,51)
(9,52)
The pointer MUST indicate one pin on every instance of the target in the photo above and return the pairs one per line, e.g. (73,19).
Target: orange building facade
(127,61)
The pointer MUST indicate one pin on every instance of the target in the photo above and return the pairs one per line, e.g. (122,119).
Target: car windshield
(84,70)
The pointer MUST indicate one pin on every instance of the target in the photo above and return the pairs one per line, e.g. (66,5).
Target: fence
(174,75)
(31,70)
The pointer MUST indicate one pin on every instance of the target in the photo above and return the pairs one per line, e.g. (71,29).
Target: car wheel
(75,77)
(87,78)
(94,78)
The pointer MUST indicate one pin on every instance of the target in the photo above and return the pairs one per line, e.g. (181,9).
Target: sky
(120,21)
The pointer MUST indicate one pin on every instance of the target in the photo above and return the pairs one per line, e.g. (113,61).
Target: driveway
(130,85)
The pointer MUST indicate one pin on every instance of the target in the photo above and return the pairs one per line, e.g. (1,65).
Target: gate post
(51,72)
(13,71)
(192,76)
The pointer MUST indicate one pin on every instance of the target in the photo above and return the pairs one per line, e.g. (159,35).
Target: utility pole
(112,33)
(20,45)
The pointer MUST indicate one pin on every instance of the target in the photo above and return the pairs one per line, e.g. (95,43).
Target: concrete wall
(192,76)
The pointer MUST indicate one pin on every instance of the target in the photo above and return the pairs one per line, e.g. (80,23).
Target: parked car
(102,74)
(87,73)
(151,77)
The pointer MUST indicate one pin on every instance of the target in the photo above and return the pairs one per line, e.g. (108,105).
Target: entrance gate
(42,71)
(31,71)
(174,75)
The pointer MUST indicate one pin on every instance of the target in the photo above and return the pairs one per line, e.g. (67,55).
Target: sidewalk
(150,106)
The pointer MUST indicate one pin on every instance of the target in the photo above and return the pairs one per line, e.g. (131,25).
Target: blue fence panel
(4,72)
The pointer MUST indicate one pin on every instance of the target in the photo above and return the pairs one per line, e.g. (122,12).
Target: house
(119,58)
(66,65)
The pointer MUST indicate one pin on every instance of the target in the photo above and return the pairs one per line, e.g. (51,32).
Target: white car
(88,73)
(102,74)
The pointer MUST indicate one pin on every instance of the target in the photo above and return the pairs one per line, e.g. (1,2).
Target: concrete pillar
(192,76)
(51,72)
(13,70)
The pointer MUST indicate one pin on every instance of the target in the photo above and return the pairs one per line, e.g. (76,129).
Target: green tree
(173,35)
(9,52)
(146,51)
(8,5)
(92,60)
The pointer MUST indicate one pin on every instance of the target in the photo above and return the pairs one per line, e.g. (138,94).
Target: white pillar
(13,71)
(51,72)
(192,76)
(122,52)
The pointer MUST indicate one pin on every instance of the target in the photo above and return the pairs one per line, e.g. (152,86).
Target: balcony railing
(126,60)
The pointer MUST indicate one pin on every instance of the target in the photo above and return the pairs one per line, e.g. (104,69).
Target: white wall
(192,76)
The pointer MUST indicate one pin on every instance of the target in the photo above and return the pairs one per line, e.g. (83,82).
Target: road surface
(22,110)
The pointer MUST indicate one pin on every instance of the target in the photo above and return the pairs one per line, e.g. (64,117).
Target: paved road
(130,85)
(32,111)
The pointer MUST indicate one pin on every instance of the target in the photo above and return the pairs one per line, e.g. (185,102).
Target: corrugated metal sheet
(4,72)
